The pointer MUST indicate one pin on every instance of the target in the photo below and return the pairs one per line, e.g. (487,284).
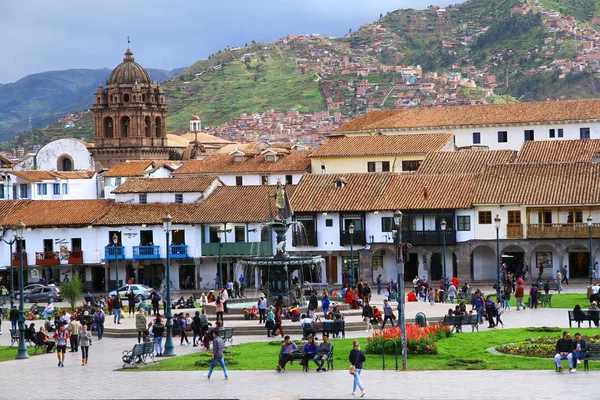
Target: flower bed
(543,347)
(418,340)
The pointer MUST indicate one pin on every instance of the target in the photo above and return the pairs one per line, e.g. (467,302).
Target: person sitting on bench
(323,353)
(564,349)
(285,354)
(580,349)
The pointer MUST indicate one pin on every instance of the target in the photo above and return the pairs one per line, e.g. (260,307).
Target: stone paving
(105,381)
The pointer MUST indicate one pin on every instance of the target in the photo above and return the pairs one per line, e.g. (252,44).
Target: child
(499,310)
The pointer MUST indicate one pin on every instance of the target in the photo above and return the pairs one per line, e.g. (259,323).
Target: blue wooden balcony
(114,252)
(146,252)
(178,251)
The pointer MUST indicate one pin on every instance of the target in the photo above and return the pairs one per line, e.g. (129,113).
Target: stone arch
(158,127)
(65,163)
(147,126)
(144,97)
(551,257)
(108,128)
(125,127)
(576,256)
(513,255)
(483,263)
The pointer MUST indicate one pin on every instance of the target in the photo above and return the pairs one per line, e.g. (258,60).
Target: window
(476,137)
(584,133)
(387,224)
(240,234)
(143,198)
(23,191)
(288,179)
(545,217)
(514,217)
(378,166)
(76,244)
(270,158)
(323,169)
(42,189)
(65,188)
(502,137)
(485,217)
(552,132)
(411,165)
(528,135)
(1,191)
(328,222)
(464,222)
(21,245)
(560,132)
(117,181)
(264,179)
(578,217)
(213,235)
(56,188)
(238,159)
(179,198)
(239,181)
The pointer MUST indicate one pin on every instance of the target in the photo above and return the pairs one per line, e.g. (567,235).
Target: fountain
(277,269)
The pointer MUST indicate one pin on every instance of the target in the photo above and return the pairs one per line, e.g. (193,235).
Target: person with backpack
(61,336)
(140,323)
(99,322)
(117,305)
(155,297)
(158,330)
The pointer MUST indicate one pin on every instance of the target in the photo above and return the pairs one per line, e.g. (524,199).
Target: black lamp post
(12,285)
(400,295)
(589,222)
(22,349)
(351,232)
(498,282)
(115,239)
(169,346)
(220,233)
(445,277)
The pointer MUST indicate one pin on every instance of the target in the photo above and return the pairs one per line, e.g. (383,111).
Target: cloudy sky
(42,35)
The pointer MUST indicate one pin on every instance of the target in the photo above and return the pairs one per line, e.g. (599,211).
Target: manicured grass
(9,353)
(564,300)
(262,356)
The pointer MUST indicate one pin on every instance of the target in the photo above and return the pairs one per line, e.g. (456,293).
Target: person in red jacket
(519,293)
(455,282)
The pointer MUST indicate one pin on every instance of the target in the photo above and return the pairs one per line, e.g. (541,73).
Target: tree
(72,290)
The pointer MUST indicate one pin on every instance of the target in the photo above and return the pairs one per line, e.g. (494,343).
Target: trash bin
(421,320)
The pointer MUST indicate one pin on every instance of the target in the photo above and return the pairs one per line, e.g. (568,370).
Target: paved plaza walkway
(40,378)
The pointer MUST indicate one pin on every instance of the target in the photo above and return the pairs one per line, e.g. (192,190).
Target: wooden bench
(139,353)
(227,335)
(592,354)
(584,315)
(546,300)
(462,320)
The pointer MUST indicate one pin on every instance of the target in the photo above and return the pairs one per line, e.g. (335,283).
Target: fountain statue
(279,267)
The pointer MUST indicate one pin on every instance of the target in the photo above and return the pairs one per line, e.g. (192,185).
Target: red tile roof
(584,150)
(351,146)
(39,176)
(496,114)
(55,213)
(464,161)
(150,214)
(137,168)
(165,185)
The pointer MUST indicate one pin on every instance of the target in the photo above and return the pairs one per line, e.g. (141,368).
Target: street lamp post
(351,232)
(400,295)
(498,282)
(589,221)
(169,346)
(220,234)
(22,349)
(115,239)
(443,228)
(12,284)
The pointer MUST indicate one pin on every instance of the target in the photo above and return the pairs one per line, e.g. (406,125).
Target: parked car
(43,294)
(142,292)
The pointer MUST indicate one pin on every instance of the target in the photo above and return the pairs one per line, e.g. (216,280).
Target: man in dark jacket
(313,303)
(117,305)
(564,349)
(14,317)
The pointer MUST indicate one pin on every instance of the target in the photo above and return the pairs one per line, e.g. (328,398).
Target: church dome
(128,72)
(195,118)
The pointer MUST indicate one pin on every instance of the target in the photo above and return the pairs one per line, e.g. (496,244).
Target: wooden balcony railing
(561,231)
(47,258)
(514,231)
(75,257)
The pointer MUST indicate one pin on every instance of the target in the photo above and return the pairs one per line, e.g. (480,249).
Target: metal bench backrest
(593,350)
(148,348)
(138,349)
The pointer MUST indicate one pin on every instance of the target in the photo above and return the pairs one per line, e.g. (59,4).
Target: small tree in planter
(72,290)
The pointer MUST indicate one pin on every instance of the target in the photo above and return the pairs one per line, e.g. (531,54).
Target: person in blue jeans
(117,306)
(478,305)
(99,322)
(217,356)
(379,279)
(357,358)
(580,350)
(387,313)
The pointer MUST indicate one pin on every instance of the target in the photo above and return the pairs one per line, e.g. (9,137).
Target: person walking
(140,323)
(85,340)
(181,320)
(565,274)
(313,303)
(155,297)
(219,308)
(325,303)
(196,328)
(357,358)
(270,322)
(99,322)
(388,314)
(131,302)
(117,305)
(217,355)
(74,329)
(379,281)
(158,330)
(61,336)
(262,309)
(519,293)
(3,293)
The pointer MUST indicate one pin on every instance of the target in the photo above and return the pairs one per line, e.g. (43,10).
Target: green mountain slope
(582,10)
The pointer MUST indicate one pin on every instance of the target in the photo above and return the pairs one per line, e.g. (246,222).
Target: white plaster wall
(373,227)
(465,236)
(484,264)
(48,155)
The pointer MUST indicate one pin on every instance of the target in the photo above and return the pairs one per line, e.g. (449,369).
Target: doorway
(331,269)
(435,267)
(579,264)
(411,267)
(98,279)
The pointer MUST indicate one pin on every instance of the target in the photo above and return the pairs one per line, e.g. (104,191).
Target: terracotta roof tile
(584,150)
(540,184)
(296,161)
(150,214)
(518,113)
(382,145)
(464,161)
(137,168)
(56,213)
(39,175)
(165,185)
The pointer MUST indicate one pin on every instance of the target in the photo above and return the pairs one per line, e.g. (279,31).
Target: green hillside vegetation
(582,10)
(264,81)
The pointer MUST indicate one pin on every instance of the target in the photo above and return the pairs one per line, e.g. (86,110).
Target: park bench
(332,327)
(139,353)
(467,297)
(39,345)
(593,354)
(298,356)
(462,320)
(546,300)
(584,315)
(14,336)
(227,335)
(553,286)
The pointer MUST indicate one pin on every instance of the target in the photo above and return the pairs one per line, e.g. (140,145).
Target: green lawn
(9,353)
(566,300)
(263,356)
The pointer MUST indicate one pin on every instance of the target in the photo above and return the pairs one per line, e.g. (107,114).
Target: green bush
(72,290)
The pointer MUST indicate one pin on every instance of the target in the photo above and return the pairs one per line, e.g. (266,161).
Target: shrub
(468,363)
(418,340)
(544,329)
(72,290)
